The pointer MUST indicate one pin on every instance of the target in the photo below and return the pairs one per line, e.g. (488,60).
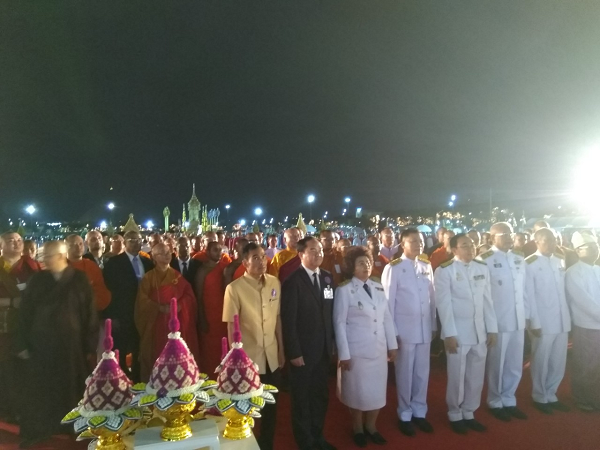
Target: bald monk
(208,237)
(343,245)
(291,238)
(236,264)
(210,291)
(331,257)
(93,273)
(444,253)
(379,261)
(152,309)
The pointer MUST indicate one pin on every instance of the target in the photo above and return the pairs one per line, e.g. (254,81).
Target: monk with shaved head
(95,244)
(291,238)
(58,334)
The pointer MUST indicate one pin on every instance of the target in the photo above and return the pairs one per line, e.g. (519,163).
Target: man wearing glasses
(123,274)
(469,327)
(505,360)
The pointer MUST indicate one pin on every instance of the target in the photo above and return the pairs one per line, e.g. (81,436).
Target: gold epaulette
(487,254)
(375,279)
(447,263)
(480,262)
(424,258)
(393,262)
(531,259)
(344,283)
(517,252)
(558,255)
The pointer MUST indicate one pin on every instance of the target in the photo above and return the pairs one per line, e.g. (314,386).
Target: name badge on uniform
(479,277)
(273,294)
(498,266)
(517,261)
(328,293)
(21,286)
(379,289)
(360,305)
(337,268)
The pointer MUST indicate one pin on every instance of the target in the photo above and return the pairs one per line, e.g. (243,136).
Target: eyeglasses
(134,241)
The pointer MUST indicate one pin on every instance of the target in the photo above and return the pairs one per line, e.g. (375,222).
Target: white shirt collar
(310,272)
(132,256)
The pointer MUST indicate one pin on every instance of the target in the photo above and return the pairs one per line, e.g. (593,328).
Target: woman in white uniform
(366,341)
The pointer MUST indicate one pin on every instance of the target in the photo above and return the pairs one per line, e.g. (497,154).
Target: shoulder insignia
(480,262)
(517,252)
(395,261)
(375,279)
(487,254)
(344,283)
(531,259)
(447,263)
(558,255)
(424,258)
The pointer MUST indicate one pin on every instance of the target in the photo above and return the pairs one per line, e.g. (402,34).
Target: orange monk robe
(280,259)
(152,315)
(332,262)
(379,264)
(241,270)
(210,292)
(438,257)
(203,256)
(94,275)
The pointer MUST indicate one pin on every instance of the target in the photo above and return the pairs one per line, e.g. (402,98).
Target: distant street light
(258,211)
(227,209)
(149,224)
(242,222)
(450,204)
(453,197)
(311,199)
(111,206)
(30,210)
(347,200)
(103,225)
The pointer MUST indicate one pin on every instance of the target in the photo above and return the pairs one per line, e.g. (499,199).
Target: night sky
(396,103)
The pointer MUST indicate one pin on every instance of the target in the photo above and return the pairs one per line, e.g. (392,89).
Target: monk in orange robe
(210,292)
(152,309)
(202,255)
(94,275)
(236,264)
(379,261)
(291,238)
(443,253)
(332,260)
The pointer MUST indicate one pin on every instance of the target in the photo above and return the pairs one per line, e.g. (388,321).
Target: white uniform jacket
(408,286)
(363,325)
(583,295)
(507,280)
(464,301)
(546,293)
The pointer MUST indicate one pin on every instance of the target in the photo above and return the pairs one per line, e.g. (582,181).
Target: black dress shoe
(475,426)
(559,406)
(459,427)
(515,412)
(543,407)
(376,438)
(360,439)
(406,428)
(422,424)
(500,414)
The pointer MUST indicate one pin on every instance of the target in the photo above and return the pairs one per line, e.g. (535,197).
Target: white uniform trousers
(466,370)
(548,361)
(505,368)
(412,378)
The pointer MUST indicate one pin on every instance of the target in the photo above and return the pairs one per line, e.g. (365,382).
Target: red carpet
(561,431)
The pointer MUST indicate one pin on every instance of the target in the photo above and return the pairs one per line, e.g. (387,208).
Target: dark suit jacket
(89,256)
(306,319)
(120,279)
(193,266)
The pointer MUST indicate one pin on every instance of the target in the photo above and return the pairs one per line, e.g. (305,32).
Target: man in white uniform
(505,359)
(388,249)
(408,285)
(550,321)
(462,291)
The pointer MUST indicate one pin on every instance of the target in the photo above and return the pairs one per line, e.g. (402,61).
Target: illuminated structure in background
(183,220)
(194,212)
(166,214)
(131,225)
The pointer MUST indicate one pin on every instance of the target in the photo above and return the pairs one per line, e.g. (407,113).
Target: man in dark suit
(95,244)
(122,274)
(183,263)
(307,325)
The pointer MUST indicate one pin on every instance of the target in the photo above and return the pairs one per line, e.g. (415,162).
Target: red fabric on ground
(574,430)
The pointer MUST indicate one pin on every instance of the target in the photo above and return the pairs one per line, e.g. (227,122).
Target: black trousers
(310,397)
(269,412)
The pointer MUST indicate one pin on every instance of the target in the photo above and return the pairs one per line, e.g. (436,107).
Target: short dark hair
(211,244)
(408,232)
(303,243)
(220,233)
(271,235)
(454,239)
(248,248)
(350,259)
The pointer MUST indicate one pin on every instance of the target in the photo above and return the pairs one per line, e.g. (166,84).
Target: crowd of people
(315,302)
